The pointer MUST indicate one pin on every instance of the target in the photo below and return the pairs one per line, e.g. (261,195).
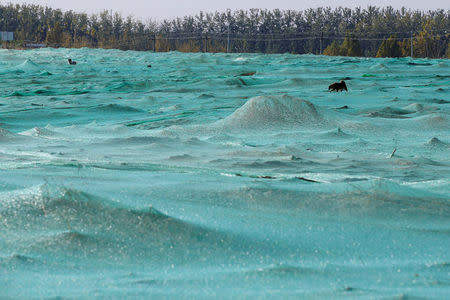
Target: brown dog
(338,86)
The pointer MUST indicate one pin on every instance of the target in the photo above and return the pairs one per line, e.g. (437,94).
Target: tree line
(373,31)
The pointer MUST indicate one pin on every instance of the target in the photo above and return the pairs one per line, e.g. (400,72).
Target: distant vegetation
(381,32)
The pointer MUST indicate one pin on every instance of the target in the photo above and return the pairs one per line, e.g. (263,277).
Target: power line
(204,38)
(305,33)
(280,39)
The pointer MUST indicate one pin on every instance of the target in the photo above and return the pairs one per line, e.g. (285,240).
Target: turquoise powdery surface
(189,180)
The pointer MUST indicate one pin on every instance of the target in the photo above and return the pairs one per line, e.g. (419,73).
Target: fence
(432,44)
(282,43)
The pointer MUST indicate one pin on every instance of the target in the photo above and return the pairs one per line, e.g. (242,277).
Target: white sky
(168,9)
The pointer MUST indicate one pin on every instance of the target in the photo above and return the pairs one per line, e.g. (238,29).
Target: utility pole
(228,39)
(412,48)
(154,42)
(206,42)
(321,37)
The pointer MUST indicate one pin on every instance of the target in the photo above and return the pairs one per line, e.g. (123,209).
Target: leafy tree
(254,30)
(426,44)
(448,50)
(55,35)
(405,47)
(350,46)
(334,49)
(389,48)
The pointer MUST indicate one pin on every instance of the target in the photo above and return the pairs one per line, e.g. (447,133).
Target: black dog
(338,86)
(71,62)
